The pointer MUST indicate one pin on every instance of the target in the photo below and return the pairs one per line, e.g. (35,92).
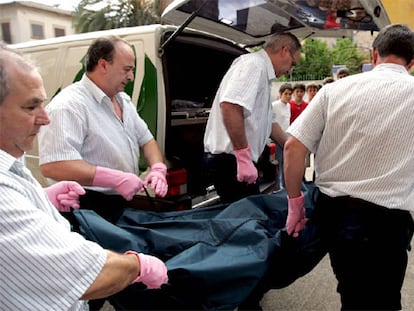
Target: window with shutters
(59,32)
(37,31)
(5,32)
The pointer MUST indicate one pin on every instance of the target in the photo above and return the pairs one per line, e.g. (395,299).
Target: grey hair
(277,41)
(9,57)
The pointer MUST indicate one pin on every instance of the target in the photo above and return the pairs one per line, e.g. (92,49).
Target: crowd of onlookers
(292,100)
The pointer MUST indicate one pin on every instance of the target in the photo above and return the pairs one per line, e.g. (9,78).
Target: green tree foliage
(345,52)
(92,15)
(315,62)
(317,59)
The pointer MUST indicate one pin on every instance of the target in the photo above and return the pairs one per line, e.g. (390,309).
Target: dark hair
(312,85)
(395,40)
(101,48)
(343,70)
(285,86)
(299,86)
(327,80)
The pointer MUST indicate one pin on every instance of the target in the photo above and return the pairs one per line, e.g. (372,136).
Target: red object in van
(272,152)
(177,182)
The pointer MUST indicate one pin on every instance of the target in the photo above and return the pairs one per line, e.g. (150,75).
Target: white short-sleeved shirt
(361,131)
(85,127)
(247,83)
(282,114)
(43,265)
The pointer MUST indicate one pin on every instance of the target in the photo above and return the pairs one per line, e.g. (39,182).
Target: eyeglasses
(293,59)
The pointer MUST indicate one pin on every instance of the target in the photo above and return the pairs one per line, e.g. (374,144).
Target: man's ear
(374,57)
(102,64)
(410,64)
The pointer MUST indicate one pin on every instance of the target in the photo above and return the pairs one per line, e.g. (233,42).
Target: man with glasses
(293,59)
(241,118)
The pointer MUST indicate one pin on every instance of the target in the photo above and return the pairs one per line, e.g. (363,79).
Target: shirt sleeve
(139,130)
(63,138)
(244,82)
(309,125)
(44,265)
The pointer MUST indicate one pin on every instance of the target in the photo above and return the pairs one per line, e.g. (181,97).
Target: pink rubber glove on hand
(153,272)
(296,220)
(64,195)
(126,184)
(157,178)
(246,171)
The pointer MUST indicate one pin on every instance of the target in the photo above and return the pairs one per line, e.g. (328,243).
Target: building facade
(23,21)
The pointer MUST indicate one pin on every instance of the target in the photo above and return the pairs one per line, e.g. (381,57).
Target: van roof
(248,23)
(87,36)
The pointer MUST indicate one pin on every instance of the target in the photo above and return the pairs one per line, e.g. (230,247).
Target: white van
(179,68)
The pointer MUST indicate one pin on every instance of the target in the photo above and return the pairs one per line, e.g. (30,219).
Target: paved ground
(316,291)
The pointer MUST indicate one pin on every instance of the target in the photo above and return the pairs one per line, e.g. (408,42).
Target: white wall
(21,17)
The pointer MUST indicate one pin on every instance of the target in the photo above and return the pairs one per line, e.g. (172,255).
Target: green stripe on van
(148,101)
(147,105)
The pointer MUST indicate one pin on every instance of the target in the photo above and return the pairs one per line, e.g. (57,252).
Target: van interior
(194,67)
(195,64)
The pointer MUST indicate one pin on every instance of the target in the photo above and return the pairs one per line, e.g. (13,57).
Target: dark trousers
(222,172)
(109,207)
(367,245)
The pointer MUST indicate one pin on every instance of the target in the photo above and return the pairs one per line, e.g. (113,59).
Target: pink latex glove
(246,171)
(64,195)
(127,184)
(153,272)
(157,178)
(296,220)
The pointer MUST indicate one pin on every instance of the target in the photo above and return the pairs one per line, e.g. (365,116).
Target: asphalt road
(316,291)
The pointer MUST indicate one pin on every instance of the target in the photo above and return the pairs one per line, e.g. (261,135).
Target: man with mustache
(95,133)
(44,265)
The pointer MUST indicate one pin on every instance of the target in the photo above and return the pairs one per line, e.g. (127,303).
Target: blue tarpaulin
(216,256)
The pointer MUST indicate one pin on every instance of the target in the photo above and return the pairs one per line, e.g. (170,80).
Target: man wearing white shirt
(281,108)
(241,118)
(45,266)
(361,133)
(96,135)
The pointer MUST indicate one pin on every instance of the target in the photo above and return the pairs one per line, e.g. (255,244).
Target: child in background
(297,104)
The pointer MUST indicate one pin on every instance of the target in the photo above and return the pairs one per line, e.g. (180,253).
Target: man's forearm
(118,272)
(152,152)
(278,135)
(294,166)
(233,119)
(76,170)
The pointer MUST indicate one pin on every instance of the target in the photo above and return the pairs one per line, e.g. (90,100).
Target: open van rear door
(218,31)
(249,22)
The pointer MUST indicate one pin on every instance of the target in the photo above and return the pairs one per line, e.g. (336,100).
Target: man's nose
(42,118)
(130,76)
